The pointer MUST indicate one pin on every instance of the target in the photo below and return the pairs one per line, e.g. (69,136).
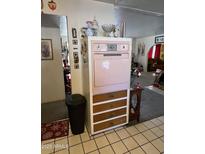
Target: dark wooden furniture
(134,111)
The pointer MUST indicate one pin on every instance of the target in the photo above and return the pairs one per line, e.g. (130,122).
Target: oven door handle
(112,54)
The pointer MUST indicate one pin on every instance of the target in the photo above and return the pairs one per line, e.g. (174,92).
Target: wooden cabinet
(109,123)
(107,115)
(109,110)
(108,96)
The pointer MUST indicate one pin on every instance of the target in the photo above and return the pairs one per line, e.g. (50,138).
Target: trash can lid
(75,99)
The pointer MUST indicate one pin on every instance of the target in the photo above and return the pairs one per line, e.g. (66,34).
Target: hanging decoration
(52,5)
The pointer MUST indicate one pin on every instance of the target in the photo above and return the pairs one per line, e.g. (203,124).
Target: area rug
(54,130)
(152,105)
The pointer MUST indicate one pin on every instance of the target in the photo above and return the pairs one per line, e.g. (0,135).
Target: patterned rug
(54,130)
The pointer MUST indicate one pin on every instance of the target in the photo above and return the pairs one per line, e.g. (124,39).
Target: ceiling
(155,7)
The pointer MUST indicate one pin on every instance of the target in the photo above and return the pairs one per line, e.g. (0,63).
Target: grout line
(154,146)
(81,142)
(110,143)
(114,131)
(150,142)
(123,139)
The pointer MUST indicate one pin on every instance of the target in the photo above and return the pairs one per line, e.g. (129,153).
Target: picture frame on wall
(46,49)
(159,39)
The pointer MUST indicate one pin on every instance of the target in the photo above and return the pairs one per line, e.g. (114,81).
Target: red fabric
(157,52)
(150,53)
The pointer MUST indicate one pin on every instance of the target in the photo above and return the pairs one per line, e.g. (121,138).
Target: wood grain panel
(110,123)
(109,96)
(108,115)
(108,106)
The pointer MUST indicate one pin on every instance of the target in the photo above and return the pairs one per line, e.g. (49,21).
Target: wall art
(46,49)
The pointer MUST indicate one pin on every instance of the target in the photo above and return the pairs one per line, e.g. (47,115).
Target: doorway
(55,69)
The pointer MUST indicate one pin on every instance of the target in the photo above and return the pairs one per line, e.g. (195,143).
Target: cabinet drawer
(110,123)
(108,115)
(108,106)
(108,96)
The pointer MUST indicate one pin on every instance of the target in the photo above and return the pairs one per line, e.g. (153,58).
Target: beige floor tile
(141,127)
(132,130)
(119,147)
(149,124)
(112,137)
(47,141)
(158,144)
(98,135)
(95,152)
(73,140)
(65,151)
(70,133)
(162,138)
(101,141)
(130,143)
(60,138)
(161,119)
(156,121)
(61,144)
(85,136)
(161,127)
(157,131)
(119,128)
(150,149)
(123,133)
(106,150)
(77,149)
(149,135)
(140,139)
(137,151)
(109,131)
(89,146)
(47,148)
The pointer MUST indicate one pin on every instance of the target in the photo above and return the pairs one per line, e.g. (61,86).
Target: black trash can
(76,104)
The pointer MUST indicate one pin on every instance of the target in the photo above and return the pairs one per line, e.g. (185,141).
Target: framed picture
(74,33)
(159,39)
(46,49)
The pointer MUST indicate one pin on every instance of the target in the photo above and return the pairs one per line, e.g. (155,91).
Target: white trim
(109,110)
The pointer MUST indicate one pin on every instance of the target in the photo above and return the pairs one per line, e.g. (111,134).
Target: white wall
(52,80)
(149,42)
(138,24)
(78,12)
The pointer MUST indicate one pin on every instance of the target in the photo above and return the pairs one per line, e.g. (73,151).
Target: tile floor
(143,138)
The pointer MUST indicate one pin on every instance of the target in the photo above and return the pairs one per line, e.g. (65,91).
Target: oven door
(111,69)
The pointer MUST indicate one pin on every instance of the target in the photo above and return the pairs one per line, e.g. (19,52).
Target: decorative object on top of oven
(108,29)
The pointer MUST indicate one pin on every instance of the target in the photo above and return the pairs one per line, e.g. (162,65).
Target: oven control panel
(96,47)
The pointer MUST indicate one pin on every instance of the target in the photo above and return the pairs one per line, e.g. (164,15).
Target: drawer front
(111,123)
(108,96)
(108,106)
(108,115)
